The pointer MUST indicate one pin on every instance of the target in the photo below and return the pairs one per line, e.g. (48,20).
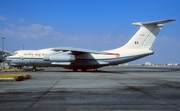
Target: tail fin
(146,35)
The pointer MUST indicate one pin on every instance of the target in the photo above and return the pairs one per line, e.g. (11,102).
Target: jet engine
(59,58)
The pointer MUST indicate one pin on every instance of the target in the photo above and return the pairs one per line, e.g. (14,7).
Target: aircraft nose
(7,59)
(2,58)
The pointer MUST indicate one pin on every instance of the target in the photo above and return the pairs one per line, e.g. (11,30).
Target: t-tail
(145,36)
(140,45)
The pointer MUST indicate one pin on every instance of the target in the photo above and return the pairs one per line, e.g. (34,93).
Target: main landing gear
(75,70)
(34,69)
(83,70)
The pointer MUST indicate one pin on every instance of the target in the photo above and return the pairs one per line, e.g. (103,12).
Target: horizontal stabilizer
(154,22)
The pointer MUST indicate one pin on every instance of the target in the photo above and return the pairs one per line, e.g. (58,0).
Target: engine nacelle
(59,58)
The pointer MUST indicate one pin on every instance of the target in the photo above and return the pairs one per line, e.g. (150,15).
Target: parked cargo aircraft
(140,45)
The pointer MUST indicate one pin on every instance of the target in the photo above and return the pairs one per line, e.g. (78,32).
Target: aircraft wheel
(34,69)
(75,70)
(83,70)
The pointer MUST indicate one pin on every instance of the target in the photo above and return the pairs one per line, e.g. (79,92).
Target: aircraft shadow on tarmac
(120,70)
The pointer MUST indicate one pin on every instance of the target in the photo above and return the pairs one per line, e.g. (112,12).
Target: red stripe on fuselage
(116,54)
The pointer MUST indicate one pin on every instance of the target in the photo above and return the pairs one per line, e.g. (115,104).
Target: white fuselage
(36,58)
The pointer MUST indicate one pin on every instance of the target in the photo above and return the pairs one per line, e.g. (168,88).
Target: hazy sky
(91,24)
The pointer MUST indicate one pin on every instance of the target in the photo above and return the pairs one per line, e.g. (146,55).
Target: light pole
(2,65)
(23,47)
(3,45)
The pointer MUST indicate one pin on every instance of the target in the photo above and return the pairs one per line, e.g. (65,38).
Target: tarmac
(109,88)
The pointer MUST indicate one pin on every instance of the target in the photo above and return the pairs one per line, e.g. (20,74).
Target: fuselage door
(31,59)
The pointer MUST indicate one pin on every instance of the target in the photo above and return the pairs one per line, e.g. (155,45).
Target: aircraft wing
(77,51)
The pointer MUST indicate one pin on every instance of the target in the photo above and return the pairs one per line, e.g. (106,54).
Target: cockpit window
(14,53)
